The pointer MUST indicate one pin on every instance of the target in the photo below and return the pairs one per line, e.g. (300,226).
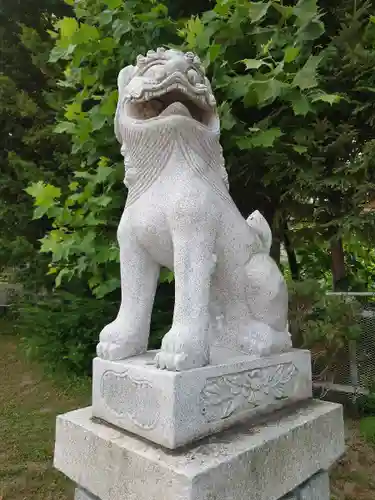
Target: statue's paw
(262,340)
(111,351)
(116,343)
(115,351)
(113,332)
(182,350)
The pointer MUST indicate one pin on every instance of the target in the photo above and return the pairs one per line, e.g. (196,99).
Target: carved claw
(182,349)
(117,343)
(110,351)
(178,362)
(113,351)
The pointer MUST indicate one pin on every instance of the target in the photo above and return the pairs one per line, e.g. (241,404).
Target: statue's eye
(159,72)
(193,76)
(156,72)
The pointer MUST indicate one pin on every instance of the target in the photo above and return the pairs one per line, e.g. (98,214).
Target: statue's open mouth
(175,96)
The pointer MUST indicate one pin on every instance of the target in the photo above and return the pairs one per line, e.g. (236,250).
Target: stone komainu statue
(230,297)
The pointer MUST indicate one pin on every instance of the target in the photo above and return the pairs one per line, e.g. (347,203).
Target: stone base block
(316,488)
(176,408)
(254,462)
(81,494)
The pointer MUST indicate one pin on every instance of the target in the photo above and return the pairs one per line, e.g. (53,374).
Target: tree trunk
(339,276)
(276,249)
(292,257)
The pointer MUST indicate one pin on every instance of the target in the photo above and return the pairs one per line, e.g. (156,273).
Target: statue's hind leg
(268,306)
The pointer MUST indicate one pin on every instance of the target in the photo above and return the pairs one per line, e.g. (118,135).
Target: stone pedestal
(176,408)
(316,488)
(286,456)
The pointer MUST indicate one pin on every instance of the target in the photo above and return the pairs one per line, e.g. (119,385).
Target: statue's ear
(209,87)
(124,77)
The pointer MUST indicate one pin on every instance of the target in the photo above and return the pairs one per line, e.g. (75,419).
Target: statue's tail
(259,224)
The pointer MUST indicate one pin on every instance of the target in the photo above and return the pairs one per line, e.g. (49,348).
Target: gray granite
(257,462)
(176,408)
(317,488)
(81,494)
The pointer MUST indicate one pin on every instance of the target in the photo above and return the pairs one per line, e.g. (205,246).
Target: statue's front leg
(186,345)
(128,334)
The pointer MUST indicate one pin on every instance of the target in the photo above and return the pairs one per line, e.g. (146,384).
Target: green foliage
(293,84)
(84,237)
(102,38)
(257,56)
(28,148)
(314,259)
(329,193)
(366,404)
(61,330)
(361,262)
(316,172)
(324,324)
(266,72)
(367,428)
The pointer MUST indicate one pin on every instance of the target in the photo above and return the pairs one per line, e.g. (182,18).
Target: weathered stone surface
(316,488)
(81,494)
(179,214)
(262,462)
(175,408)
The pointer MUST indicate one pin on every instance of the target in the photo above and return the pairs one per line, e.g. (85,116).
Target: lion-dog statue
(230,297)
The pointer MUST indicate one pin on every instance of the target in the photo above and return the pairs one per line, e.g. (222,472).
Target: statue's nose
(176,64)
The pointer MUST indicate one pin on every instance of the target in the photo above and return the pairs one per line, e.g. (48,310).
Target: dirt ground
(29,403)
(354,476)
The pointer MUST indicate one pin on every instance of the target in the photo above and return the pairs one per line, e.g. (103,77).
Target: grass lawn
(29,403)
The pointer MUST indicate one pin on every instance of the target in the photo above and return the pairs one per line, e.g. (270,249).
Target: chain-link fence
(355,372)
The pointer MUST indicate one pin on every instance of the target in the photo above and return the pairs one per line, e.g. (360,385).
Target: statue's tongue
(176,108)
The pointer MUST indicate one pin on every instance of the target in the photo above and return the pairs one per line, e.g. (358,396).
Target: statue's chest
(149,223)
